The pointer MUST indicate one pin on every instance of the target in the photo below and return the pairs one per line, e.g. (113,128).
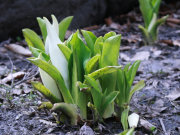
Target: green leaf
(83,54)
(109,34)
(46,92)
(124,118)
(107,100)
(98,46)
(145,34)
(65,50)
(154,29)
(140,85)
(127,132)
(109,57)
(90,39)
(42,26)
(91,64)
(96,93)
(132,71)
(36,52)
(121,87)
(55,74)
(156,5)
(63,26)
(69,110)
(110,52)
(103,71)
(33,39)
(147,11)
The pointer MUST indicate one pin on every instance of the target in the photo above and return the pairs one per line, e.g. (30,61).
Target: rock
(18,14)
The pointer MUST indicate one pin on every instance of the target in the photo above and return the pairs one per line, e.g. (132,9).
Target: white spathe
(51,45)
(133,120)
(50,84)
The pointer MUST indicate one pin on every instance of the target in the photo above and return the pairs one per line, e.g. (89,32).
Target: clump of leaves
(81,76)
(62,64)
(116,86)
(150,10)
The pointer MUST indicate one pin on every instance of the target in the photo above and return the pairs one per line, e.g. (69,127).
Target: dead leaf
(173,95)
(144,55)
(18,49)
(173,20)
(16,75)
(47,122)
(94,27)
(125,48)
(132,38)
(171,42)
(147,125)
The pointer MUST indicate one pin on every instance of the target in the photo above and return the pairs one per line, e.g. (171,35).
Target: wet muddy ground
(158,104)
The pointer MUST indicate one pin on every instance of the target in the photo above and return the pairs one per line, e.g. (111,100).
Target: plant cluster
(82,79)
(150,10)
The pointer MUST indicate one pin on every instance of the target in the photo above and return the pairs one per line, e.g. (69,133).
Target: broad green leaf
(107,100)
(109,34)
(57,57)
(69,110)
(140,85)
(109,57)
(42,26)
(90,39)
(33,39)
(147,11)
(83,54)
(91,64)
(75,90)
(80,56)
(121,87)
(124,118)
(46,92)
(63,26)
(98,46)
(103,71)
(55,74)
(65,50)
(110,52)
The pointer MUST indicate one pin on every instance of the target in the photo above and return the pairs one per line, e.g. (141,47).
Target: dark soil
(158,103)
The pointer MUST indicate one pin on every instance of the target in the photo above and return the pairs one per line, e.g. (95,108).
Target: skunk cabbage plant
(81,77)
(150,10)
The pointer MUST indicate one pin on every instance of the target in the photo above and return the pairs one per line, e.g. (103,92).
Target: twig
(12,66)
(163,127)
(27,77)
